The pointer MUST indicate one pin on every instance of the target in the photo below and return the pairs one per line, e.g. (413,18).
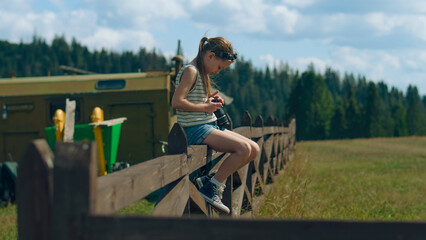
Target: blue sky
(384,40)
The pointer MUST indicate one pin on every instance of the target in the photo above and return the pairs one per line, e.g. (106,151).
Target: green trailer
(29,104)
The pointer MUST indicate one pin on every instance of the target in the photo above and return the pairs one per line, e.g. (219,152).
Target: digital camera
(222,118)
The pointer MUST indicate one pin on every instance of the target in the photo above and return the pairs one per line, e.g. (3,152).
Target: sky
(383,40)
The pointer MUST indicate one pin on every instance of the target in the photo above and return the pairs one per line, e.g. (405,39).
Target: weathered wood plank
(256,132)
(109,122)
(227,193)
(196,197)
(267,172)
(238,194)
(35,192)
(216,155)
(254,178)
(267,146)
(245,131)
(248,195)
(140,227)
(274,167)
(275,145)
(69,120)
(197,157)
(119,189)
(249,181)
(246,119)
(217,165)
(177,141)
(75,179)
(174,203)
(237,198)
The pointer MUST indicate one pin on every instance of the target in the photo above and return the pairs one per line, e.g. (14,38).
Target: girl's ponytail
(202,41)
(204,77)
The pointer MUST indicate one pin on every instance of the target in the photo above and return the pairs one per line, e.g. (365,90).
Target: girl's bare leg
(243,150)
(255,150)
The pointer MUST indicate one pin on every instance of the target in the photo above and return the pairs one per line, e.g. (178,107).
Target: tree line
(326,105)
(39,58)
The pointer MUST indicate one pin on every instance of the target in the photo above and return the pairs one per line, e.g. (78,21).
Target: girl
(195,112)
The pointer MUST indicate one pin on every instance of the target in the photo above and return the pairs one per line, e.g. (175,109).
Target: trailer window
(110,84)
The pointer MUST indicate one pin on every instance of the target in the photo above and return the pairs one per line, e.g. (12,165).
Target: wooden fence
(60,196)
(47,204)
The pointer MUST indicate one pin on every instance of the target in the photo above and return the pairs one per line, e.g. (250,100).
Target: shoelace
(219,190)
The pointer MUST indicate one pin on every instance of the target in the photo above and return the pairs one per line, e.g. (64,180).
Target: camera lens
(222,119)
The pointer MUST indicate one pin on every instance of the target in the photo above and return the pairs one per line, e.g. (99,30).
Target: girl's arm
(179,100)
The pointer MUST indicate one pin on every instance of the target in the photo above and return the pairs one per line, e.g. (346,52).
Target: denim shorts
(196,134)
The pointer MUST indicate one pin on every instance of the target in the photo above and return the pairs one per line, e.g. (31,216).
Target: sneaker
(213,195)
(203,180)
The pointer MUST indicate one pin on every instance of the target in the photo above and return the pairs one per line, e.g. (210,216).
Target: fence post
(75,185)
(258,122)
(246,119)
(177,144)
(177,141)
(270,121)
(231,125)
(260,160)
(34,192)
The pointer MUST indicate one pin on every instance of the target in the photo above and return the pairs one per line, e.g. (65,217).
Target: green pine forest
(328,105)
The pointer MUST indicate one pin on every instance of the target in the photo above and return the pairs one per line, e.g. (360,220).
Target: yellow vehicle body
(28,106)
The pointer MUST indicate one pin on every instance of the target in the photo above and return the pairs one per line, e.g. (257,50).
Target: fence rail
(59,189)
(176,173)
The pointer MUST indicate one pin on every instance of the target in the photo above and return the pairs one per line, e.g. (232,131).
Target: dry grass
(366,179)
(8,223)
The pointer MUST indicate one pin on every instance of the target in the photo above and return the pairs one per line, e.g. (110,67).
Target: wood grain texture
(35,191)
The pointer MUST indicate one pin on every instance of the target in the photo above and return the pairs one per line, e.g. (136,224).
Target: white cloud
(23,26)
(416,25)
(397,68)
(270,61)
(285,19)
(414,6)
(385,24)
(79,18)
(380,21)
(58,3)
(302,64)
(299,3)
(81,24)
(375,63)
(15,5)
(119,39)
(248,17)
(350,58)
(196,4)
(233,5)
(143,14)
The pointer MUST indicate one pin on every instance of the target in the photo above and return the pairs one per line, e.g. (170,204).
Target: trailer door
(137,132)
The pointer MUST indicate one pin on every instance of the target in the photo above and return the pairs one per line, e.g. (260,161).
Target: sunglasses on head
(225,55)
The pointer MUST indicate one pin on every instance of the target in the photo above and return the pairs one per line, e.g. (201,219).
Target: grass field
(8,223)
(364,179)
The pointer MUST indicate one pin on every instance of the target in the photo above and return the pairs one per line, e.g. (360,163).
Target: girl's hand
(211,107)
(219,99)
